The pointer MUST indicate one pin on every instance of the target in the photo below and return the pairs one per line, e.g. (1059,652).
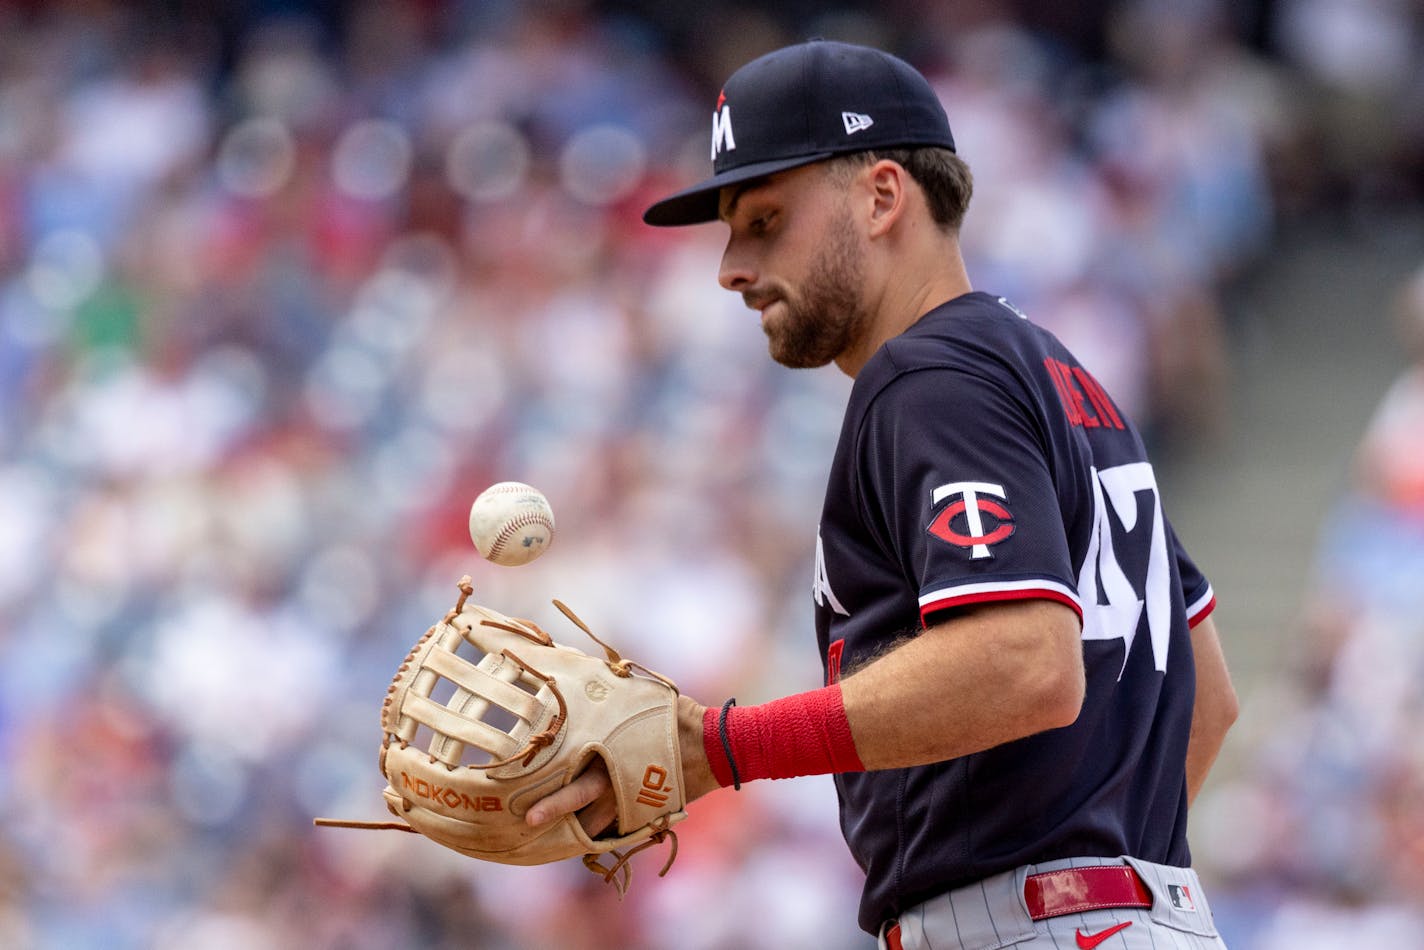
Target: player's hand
(697,777)
(591,794)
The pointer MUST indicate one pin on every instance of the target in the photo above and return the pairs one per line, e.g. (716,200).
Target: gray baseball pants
(995,913)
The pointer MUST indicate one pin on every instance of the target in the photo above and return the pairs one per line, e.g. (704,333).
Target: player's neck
(911,290)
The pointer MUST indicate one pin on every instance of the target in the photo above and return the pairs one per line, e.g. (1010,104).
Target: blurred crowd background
(283,285)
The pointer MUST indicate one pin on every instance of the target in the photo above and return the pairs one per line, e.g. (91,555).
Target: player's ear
(889,190)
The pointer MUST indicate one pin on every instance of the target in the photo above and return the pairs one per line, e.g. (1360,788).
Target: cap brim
(699,204)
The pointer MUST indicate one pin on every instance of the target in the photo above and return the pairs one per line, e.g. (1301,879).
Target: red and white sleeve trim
(1199,609)
(963,595)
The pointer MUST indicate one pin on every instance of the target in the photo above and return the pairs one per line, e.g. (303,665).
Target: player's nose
(736,272)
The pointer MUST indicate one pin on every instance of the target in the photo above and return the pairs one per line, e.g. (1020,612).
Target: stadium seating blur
(283,285)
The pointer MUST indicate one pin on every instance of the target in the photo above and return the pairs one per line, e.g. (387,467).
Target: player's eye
(760,225)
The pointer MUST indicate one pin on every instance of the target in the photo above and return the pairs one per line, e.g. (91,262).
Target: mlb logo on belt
(1181,897)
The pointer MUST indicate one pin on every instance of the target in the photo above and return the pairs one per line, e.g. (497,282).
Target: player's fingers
(581,792)
(597,817)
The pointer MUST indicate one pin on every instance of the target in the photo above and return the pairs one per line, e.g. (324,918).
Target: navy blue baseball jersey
(980,462)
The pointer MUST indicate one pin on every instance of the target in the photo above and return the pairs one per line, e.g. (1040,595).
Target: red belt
(1072,891)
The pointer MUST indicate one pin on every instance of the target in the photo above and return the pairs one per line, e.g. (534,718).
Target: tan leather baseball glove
(487,715)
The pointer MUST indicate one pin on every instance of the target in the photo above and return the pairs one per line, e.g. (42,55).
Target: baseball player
(1023,687)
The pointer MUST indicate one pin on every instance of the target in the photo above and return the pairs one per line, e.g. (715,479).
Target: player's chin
(797,352)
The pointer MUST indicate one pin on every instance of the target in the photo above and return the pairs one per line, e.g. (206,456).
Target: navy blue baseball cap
(802,104)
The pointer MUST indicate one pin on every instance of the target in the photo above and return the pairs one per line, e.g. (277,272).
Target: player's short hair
(944,176)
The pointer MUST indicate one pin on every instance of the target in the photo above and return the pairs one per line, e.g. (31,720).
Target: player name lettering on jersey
(1084,399)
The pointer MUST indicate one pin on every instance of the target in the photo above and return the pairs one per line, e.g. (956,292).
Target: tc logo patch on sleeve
(971,520)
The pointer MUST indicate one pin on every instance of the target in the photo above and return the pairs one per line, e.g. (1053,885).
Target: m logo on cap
(856,122)
(722,127)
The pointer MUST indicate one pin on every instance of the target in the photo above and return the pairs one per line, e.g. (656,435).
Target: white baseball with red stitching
(511,523)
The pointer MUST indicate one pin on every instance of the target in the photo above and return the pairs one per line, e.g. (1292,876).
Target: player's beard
(827,318)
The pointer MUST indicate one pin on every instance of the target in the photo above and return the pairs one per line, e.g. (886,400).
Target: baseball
(511,523)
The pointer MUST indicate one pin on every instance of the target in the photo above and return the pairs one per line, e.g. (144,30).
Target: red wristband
(804,734)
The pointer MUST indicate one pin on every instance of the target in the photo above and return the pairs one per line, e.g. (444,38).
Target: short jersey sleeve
(956,477)
(1197,593)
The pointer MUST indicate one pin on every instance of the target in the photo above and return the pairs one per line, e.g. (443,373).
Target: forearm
(981,679)
(962,687)
(1215,708)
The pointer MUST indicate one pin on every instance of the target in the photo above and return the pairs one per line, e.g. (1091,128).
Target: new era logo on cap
(856,122)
